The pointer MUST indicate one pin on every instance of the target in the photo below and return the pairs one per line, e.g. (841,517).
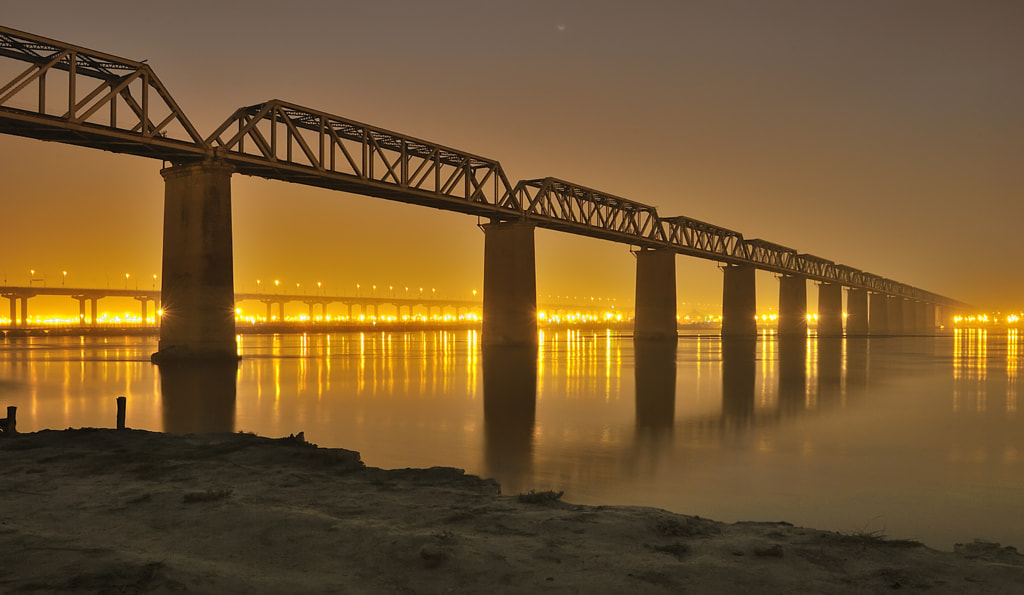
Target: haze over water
(918,438)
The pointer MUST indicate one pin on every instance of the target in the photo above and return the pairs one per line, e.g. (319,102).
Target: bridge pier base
(655,315)
(878,321)
(830,310)
(739,301)
(510,285)
(856,312)
(792,306)
(198,278)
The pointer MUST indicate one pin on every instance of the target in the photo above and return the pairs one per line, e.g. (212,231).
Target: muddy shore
(106,511)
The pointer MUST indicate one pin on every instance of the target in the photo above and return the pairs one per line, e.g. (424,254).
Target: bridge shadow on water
(198,397)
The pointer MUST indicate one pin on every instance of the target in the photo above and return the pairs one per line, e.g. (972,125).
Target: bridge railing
(284,141)
(79,96)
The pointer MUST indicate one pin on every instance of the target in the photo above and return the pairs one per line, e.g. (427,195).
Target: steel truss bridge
(69,94)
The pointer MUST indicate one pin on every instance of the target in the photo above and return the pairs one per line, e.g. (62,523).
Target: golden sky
(887,136)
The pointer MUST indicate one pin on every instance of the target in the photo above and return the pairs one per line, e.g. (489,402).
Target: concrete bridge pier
(14,310)
(921,318)
(830,310)
(81,308)
(792,306)
(929,318)
(739,301)
(894,305)
(856,312)
(655,316)
(94,308)
(878,319)
(197,278)
(910,321)
(23,321)
(510,284)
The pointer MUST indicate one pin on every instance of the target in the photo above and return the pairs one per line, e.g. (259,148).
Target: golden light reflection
(769,393)
(1013,363)
(970,369)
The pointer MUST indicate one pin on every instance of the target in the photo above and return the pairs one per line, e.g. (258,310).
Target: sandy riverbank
(98,511)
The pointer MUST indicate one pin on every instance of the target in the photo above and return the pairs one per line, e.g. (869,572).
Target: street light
(64,277)
(126,277)
(258,286)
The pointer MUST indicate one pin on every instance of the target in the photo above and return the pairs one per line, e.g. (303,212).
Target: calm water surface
(916,437)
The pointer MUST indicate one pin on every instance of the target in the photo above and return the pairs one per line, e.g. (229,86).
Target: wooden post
(9,425)
(120,412)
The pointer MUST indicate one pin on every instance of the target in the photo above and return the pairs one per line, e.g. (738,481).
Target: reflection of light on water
(769,392)
(1012,365)
(811,367)
(970,357)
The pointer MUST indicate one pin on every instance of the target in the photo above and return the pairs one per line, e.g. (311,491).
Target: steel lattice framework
(78,96)
(283,141)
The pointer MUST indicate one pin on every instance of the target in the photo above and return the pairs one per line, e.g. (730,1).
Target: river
(911,437)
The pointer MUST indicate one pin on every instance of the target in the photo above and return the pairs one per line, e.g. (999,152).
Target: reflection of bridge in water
(761,384)
(110,103)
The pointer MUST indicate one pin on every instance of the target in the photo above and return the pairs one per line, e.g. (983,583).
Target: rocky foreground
(106,511)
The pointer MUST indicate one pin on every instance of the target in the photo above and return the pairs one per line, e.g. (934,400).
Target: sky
(883,135)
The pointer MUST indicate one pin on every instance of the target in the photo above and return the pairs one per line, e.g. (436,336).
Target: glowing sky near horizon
(886,136)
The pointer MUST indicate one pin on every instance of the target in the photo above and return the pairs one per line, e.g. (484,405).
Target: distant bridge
(18,300)
(120,105)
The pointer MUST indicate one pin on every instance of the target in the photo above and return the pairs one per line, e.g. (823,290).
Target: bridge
(18,297)
(115,104)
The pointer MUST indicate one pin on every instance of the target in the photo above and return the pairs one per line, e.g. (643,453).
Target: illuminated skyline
(884,137)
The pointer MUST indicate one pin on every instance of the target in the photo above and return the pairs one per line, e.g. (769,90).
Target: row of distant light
(986,319)
(362,318)
(576,317)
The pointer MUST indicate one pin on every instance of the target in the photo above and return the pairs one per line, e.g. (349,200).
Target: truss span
(284,141)
(78,96)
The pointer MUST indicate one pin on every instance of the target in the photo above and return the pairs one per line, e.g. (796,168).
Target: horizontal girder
(82,97)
